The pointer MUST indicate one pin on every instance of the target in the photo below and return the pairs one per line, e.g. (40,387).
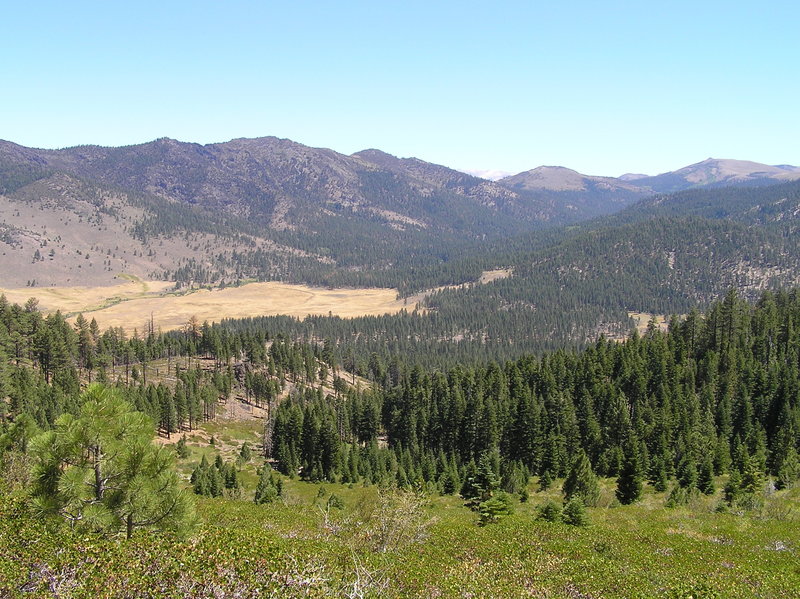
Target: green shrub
(574,513)
(549,512)
(495,508)
(678,496)
(334,501)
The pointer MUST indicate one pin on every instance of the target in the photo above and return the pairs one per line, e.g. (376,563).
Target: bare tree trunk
(98,475)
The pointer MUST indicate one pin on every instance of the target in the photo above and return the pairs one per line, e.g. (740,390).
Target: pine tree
(449,481)
(470,489)
(19,435)
(658,474)
(181,449)
(216,482)
(245,453)
(687,474)
(752,478)
(487,479)
(230,477)
(545,481)
(705,478)
(201,478)
(100,470)
(789,472)
(270,486)
(495,508)
(733,488)
(629,483)
(581,482)
(549,511)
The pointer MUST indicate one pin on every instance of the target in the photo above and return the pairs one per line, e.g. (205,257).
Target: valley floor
(132,303)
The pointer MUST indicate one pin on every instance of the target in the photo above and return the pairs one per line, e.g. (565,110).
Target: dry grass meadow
(71,300)
(130,304)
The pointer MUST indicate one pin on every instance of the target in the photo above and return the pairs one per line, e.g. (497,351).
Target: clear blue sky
(601,87)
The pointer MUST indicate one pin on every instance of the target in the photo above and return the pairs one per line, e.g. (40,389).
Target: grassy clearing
(489,276)
(254,299)
(130,304)
(642,320)
(72,300)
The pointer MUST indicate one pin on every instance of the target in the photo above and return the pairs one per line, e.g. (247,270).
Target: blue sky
(601,87)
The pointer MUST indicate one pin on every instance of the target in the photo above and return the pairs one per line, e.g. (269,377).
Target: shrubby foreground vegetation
(290,548)
(662,466)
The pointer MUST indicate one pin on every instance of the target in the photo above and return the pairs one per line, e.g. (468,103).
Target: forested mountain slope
(566,294)
(567,284)
(271,208)
(261,208)
(758,205)
(570,284)
(663,255)
(278,183)
(50,221)
(665,264)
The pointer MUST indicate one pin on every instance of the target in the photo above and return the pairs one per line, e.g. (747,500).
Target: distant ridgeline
(272,209)
(719,392)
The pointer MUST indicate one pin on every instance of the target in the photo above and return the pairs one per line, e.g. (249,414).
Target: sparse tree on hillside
(581,482)
(270,486)
(629,482)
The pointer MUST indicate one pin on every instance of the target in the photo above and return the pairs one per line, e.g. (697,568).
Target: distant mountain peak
(488,174)
(554,178)
(374,153)
(561,178)
(392,162)
(380,158)
(717,172)
(632,176)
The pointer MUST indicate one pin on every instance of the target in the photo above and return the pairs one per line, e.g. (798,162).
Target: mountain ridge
(716,172)
(274,209)
(265,151)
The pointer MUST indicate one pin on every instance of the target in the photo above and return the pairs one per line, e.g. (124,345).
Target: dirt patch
(642,320)
(237,409)
(493,275)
